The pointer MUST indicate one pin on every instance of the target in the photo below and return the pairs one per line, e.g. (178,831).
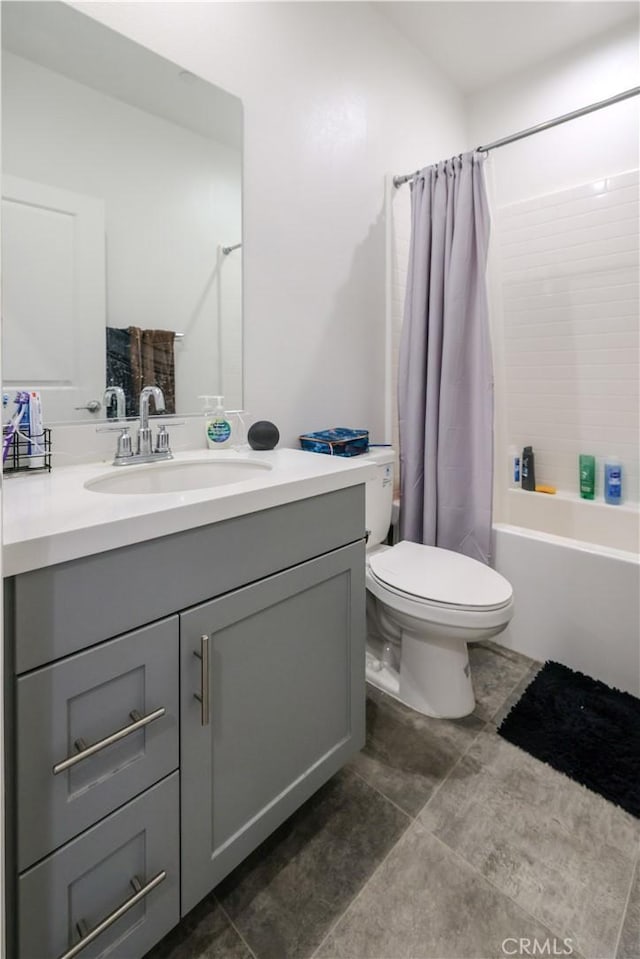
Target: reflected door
(53,296)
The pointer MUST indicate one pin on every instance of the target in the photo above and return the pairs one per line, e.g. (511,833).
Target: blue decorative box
(336,442)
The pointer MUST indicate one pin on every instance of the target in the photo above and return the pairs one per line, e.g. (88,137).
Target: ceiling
(477,43)
(62,39)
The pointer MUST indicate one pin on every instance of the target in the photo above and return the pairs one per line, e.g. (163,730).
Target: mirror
(121,220)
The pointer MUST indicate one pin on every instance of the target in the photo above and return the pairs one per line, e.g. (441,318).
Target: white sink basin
(176,477)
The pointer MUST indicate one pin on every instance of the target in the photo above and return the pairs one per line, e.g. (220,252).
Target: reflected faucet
(145,445)
(107,400)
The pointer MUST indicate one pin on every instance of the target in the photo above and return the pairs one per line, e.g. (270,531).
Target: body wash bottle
(587,476)
(613,481)
(216,425)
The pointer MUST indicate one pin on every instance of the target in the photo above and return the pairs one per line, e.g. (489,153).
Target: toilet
(424,604)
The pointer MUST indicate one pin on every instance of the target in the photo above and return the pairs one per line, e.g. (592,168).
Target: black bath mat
(582,728)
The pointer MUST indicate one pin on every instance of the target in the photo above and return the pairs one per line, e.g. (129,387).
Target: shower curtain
(445,376)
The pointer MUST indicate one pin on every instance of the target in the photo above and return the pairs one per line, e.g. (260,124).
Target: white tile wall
(569,289)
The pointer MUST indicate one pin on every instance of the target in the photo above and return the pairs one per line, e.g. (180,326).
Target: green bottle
(587,476)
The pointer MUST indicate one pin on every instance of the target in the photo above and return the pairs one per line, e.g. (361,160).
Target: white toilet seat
(440,577)
(438,586)
(464,618)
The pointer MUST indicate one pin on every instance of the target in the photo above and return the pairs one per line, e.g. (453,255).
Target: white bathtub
(575,572)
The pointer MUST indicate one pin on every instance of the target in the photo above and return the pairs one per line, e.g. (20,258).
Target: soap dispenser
(216,424)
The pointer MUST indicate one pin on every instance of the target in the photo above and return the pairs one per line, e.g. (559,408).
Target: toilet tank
(379,495)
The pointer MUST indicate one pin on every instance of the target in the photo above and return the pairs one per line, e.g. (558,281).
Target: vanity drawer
(127,687)
(83,884)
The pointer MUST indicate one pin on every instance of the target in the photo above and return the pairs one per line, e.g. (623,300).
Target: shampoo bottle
(587,476)
(528,469)
(514,468)
(216,424)
(613,481)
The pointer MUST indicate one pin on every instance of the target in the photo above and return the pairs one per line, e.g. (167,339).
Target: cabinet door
(284,689)
(121,696)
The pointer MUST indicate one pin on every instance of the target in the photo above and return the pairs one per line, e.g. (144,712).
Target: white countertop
(50,518)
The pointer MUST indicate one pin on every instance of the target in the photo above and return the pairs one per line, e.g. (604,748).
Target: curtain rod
(633,92)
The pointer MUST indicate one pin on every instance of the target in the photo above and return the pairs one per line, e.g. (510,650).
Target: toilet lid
(440,576)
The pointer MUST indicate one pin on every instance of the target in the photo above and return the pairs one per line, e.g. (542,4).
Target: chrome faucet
(145,445)
(107,399)
(145,453)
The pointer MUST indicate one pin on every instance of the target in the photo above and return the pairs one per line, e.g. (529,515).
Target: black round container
(263,435)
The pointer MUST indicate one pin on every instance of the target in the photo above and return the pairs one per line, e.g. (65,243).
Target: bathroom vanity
(174,698)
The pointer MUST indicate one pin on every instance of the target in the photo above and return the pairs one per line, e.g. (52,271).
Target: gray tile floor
(440,840)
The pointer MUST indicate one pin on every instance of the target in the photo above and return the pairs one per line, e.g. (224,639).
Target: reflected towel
(152,363)
(119,368)
(138,358)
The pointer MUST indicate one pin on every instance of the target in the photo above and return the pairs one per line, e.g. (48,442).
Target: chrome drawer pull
(203,695)
(139,722)
(140,893)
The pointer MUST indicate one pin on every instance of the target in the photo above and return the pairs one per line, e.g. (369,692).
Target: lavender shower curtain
(445,376)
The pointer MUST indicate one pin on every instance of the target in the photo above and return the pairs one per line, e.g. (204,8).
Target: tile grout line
(527,912)
(382,795)
(462,755)
(636,869)
(234,927)
(534,664)
(360,891)
(412,821)
(486,727)
(501,892)
(489,728)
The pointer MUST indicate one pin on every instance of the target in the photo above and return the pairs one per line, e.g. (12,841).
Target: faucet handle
(124,447)
(162,440)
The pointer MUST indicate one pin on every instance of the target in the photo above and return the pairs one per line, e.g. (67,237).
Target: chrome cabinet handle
(139,893)
(139,722)
(203,695)
(93,406)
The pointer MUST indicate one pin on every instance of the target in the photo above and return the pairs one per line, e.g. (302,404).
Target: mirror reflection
(121,221)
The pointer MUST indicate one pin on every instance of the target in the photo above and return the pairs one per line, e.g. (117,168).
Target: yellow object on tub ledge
(546,489)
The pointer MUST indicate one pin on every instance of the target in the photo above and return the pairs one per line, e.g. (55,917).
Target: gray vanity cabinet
(171,703)
(272,705)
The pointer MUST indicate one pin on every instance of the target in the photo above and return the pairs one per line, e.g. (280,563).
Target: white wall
(592,147)
(333,100)
(172,197)
(569,324)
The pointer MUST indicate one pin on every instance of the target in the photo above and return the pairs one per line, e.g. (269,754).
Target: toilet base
(445,690)
(383,677)
(435,676)
(430,674)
